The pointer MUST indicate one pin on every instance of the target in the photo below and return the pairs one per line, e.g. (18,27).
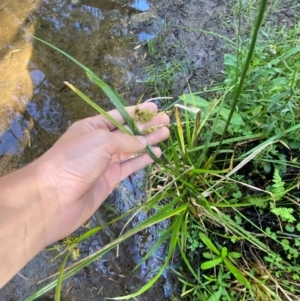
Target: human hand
(82,168)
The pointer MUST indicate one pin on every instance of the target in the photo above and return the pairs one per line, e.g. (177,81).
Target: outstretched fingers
(153,138)
(90,124)
(100,121)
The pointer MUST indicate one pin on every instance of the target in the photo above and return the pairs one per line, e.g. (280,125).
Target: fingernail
(142,139)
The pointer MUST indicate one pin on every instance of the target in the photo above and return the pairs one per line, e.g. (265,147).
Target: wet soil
(109,37)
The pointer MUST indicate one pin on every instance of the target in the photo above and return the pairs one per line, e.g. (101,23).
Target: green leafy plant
(223,256)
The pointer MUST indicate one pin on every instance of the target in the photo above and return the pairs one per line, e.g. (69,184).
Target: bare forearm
(22,221)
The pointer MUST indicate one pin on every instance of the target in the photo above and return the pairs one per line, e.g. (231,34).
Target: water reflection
(141,5)
(12,136)
(31,81)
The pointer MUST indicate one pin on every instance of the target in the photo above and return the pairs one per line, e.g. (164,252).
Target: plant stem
(238,90)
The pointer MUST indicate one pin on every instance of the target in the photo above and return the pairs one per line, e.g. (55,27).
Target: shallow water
(35,105)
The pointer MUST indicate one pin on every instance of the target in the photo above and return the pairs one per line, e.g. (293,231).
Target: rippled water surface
(35,105)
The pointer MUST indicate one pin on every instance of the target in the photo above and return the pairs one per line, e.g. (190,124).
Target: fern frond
(259,202)
(285,214)
(278,186)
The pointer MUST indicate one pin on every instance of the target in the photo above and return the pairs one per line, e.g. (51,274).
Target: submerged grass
(231,172)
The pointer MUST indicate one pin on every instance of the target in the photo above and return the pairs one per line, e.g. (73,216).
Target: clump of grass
(230,170)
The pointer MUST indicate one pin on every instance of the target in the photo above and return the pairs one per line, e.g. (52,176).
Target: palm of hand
(90,159)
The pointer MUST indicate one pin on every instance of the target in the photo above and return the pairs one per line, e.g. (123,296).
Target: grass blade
(60,278)
(98,109)
(180,136)
(173,243)
(115,98)
(244,71)
(211,263)
(209,243)
(72,270)
(145,287)
(236,273)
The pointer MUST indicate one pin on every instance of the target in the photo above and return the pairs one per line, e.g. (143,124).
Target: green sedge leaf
(98,109)
(224,252)
(115,98)
(207,255)
(89,233)
(148,285)
(179,128)
(76,267)
(60,278)
(209,243)
(234,255)
(237,274)
(211,263)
